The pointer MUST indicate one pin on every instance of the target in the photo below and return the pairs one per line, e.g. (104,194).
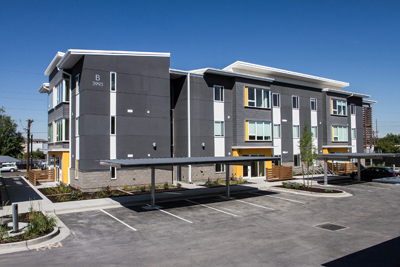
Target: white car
(9,167)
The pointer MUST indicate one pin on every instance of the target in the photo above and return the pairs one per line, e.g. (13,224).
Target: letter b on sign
(97,77)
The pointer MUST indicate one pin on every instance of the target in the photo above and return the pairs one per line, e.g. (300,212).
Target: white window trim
(223,128)
(255,97)
(111,73)
(352,107)
(316,107)
(298,131)
(316,127)
(77,83)
(337,109)
(280,131)
(355,134)
(279,100)
(340,128)
(255,135)
(113,178)
(222,168)
(222,93)
(298,102)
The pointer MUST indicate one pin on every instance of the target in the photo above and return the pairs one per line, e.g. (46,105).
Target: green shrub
(3,233)
(38,223)
(101,193)
(178,185)
(76,194)
(63,198)
(215,183)
(166,186)
(296,186)
(328,191)
(142,188)
(304,185)
(208,182)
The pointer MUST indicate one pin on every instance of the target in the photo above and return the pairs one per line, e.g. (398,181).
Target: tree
(389,144)
(308,151)
(35,154)
(10,139)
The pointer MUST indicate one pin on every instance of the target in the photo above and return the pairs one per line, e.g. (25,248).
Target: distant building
(124,105)
(40,144)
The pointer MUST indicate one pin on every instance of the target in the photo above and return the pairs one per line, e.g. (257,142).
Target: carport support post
(153,187)
(325,171)
(227,181)
(359,169)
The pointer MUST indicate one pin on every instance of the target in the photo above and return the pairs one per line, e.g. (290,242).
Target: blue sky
(351,41)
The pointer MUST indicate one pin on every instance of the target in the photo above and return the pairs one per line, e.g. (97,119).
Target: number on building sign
(97,82)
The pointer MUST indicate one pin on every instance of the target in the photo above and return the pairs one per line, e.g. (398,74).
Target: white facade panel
(276,115)
(353,121)
(113,104)
(77,148)
(219,114)
(277,146)
(296,149)
(77,104)
(219,147)
(296,116)
(354,146)
(314,118)
(113,147)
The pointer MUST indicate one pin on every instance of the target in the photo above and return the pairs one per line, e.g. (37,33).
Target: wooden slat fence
(41,176)
(279,173)
(342,168)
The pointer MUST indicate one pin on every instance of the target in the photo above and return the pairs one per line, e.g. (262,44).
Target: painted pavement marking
(172,214)
(286,199)
(211,207)
(115,218)
(49,246)
(254,204)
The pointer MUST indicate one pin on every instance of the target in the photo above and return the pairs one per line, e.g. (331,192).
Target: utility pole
(31,150)
(27,145)
(376,125)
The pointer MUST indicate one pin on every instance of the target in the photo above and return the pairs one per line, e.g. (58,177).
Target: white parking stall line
(172,214)
(254,204)
(115,218)
(203,205)
(286,199)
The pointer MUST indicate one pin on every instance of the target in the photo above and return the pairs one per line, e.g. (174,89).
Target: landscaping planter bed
(312,189)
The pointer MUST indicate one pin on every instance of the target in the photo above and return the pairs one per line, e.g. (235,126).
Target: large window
(340,133)
(276,103)
(259,131)
(219,168)
(59,131)
(339,107)
(277,131)
(50,133)
(353,133)
(296,131)
(60,92)
(50,101)
(66,129)
(218,128)
(218,93)
(259,98)
(352,109)
(295,102)
(313,104)
(314,131)
(113,83)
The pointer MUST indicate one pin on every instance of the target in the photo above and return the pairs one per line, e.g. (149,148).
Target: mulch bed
(222,185)
(108,194)
(312,189)
(22,217)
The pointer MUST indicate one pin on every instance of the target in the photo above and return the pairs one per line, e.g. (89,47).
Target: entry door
(256,169)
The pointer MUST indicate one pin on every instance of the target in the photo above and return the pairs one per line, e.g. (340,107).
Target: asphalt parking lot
(259,228)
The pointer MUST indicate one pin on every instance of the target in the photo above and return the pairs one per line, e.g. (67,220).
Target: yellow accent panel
(331,106)
(332,133)
(65,166)
(238,170)
(325,151)
(246,99)
(247,131)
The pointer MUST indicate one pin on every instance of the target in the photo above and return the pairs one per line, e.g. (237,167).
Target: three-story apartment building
(123,105)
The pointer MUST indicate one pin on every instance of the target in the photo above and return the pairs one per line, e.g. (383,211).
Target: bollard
(394,167)
(15,217)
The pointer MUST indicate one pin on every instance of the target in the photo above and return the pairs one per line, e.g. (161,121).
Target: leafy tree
(308,151)
(10,140)
(389,144)
(35,154)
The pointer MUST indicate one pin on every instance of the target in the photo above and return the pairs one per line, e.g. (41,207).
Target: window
(66,91)
(113,173)
(50,133)
(352,109)
(219,168)
(353,133)
(314,131)
(296,160)
(60,92)
(259,98)
(296,131)
(218,128)
(66,129)
(295,102)
(77,84)
(59,131)
(50,101)
(112,126)
(339,133)
(277,131)
(276,101)
(339,107)
(113,83)
(77,126)
(313,104)
(218,93)
(259,131)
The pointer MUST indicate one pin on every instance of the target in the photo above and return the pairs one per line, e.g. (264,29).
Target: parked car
(354,174)
(9,167)
(377,172)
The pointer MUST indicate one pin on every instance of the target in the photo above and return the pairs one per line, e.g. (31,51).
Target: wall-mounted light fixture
(203,145)
(155,145)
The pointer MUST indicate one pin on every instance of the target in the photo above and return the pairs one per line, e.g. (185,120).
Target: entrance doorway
(256,169)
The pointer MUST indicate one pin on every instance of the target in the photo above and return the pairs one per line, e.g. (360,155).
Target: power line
(27,109)
(19,93)
(20,71)
(23,98)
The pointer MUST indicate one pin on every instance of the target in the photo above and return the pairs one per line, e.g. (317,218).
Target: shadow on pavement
(383,254)
(20,190)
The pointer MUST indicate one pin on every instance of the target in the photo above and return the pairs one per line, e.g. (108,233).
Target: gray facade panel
(59,112)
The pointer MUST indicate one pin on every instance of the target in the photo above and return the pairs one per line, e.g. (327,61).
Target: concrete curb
(24,244)
(313,194)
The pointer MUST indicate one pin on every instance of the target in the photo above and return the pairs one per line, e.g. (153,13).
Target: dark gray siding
(336,120)
(59,112)
(180,117)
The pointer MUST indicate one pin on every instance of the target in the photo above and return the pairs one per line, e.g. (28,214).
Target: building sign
(97,81)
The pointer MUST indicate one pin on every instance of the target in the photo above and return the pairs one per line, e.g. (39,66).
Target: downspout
(189,137)
(70,121)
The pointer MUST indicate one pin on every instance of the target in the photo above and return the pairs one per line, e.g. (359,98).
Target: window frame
(340,128)
(352,109)
(77,126)
(222,127)
(353,133)
(264,136)
(316,131)
(113,173)
(222,168)
(50,133)
(298,131)
(297,102)
(113,125)
(221,89)
(280,131)
(77,83)
(311,104)
(254,101)
(335,111)
(278,100)
(59,131)
(113,86)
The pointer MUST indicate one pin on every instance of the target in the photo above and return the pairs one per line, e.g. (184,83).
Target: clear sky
(352,41)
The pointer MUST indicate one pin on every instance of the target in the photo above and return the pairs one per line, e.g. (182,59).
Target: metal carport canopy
(348,156)
(154,163)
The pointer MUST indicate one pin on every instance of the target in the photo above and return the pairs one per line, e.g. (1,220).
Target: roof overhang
(369,102)
(44,88)
(346,93)
(160,162)
(53,63)
(283,75)
(72,56)
(235,74)
(348,156)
